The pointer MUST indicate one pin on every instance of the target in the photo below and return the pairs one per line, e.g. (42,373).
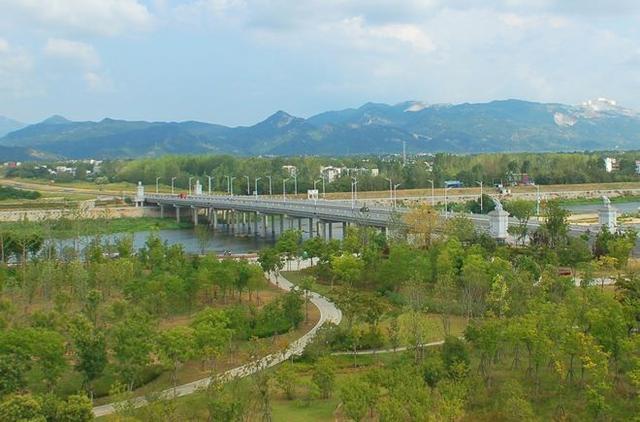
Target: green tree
(286,379)
(21,407)
(176,345)
(90,350)
(211,333)
(132,343)
(324,376)
(347,268)
(357,397)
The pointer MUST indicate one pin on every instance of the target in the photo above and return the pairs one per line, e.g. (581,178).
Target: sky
(235,62)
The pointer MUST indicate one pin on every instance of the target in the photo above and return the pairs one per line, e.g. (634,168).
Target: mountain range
(497,126)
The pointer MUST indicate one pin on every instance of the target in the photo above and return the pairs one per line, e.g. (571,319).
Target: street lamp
(190,179)
(248,185)
(481,207)
(295,184)
(323,191)
(230,184)
(433,193)
(284,189)
(209,177)
(354,192)
(173,179)
(256,183)
(390,188)
(157,180)
(395,188)
(270,190)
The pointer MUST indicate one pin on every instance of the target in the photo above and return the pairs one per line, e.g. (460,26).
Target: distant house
(637,166)
(611,164)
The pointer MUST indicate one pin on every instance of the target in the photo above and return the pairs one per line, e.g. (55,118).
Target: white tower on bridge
(139,198)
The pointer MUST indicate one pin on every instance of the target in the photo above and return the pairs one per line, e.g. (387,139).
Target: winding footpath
(328,313)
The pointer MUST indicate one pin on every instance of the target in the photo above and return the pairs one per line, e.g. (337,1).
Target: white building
(291,170)
(637,166)
(331,172)
(611,164)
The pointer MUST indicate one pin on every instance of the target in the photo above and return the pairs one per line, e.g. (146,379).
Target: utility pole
(390,188)
(354,192)
(395,199)
(190,179)
(295,184)
(173,179)
(157,180)
(248,185)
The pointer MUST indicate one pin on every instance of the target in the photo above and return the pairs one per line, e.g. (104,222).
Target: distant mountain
(9,125)
(22,154)
(509,125)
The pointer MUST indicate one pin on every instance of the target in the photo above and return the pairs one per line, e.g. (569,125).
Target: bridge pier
(195,216)
(330,230)
(161,211)
(215,219)
(281,224)
(310,227)
(273,226)
(255,224)
(177,214)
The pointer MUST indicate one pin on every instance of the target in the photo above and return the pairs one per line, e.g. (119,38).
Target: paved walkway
(397,349)
(328,313)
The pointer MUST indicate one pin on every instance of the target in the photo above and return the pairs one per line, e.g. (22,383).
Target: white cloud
(76,51)
(16,72)
(378,37)
(4,45)
(102,17)
(97,82)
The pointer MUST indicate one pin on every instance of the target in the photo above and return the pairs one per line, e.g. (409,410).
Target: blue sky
(237,61)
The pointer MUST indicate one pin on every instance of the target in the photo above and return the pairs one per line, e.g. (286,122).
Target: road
(328,313)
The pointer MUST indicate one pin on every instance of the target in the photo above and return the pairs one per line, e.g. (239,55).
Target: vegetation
(7,192)
(417,172)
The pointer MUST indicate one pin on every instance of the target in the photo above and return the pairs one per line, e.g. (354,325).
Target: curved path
(328,313)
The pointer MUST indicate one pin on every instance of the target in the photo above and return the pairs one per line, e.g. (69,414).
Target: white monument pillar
(139,199)
(608,215)
(198,190)
(498,222)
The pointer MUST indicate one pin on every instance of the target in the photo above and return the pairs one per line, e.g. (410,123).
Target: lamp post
(284,189)
(230,184)
(395,188)
(248,185)
(270,190)
(209,177)
(190,179)
(390,188)
(481,207)
(157,180)
(295,184)
(256,188)
(354,192)
(323,191)
(538,201)
(173,179)
(433,193)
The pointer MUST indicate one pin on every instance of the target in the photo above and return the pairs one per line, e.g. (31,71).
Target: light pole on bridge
(173,179)
(284,189)
(270,189)
(395,199)
(157,180)
(190,179)
(209,177)
(390,188)
(256,187)
(354,192)
(248,185)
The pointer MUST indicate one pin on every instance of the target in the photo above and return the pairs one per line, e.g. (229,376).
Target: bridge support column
(330,230)
(177,214)
(215,219)
(273,226)
(300,224)
(281,224)
(195,216)
(255,224)
(318,228)
(264,226)
(161,211)
(344,229)
(310,227)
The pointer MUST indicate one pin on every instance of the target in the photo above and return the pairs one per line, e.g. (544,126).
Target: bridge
(259,216)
